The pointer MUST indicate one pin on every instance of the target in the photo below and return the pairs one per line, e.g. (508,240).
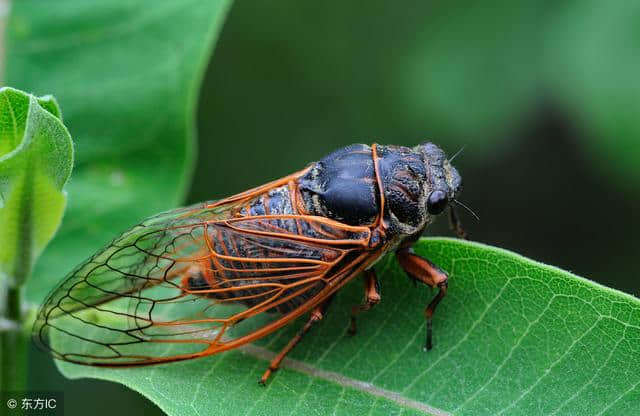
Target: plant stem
(14,344)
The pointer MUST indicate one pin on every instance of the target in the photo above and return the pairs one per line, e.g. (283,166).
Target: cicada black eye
(437,202)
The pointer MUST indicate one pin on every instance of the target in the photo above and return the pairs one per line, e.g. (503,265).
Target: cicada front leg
(456,225)
(428,273)
(371,298)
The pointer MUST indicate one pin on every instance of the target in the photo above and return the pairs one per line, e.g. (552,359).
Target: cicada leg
(455,224)
(428,273)
(316,316)
(371,298)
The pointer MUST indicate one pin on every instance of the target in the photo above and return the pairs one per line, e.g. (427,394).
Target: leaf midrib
(344,381)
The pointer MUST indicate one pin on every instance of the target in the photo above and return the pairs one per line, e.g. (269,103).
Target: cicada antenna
(467,208)
(457,153)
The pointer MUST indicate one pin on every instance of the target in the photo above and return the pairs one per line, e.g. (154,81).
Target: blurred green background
(545,96)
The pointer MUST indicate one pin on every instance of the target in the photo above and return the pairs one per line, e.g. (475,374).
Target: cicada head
(418,183)
(445,182)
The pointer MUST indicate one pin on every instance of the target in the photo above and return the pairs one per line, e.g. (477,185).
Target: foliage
(127,75)
(36,158)
(512,337)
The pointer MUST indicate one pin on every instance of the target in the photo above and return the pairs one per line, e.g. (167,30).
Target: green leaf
(36,158)
(513,336)
(593,50)
(127,74)
(467,75)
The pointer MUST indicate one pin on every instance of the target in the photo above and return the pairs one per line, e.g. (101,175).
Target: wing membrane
(195,281)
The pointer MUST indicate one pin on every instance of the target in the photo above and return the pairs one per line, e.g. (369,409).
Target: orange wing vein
(196,281)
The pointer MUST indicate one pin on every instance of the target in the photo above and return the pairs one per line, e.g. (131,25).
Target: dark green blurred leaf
(36,158)
(512,337)
(593,64)
(471,70)
(313,76)
(127,74)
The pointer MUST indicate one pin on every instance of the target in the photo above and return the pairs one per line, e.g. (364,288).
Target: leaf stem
(13,343)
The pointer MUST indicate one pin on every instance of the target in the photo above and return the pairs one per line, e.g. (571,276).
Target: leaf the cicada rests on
(36,158)
(513,336)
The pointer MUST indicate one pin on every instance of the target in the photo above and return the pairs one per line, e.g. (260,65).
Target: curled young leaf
(36,158)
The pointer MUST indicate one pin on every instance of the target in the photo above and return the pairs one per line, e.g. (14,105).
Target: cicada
(213,276)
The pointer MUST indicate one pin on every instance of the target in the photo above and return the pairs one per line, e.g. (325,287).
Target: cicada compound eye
(437,202)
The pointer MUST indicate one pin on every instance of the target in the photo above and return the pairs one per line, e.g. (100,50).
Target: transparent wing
(195,281)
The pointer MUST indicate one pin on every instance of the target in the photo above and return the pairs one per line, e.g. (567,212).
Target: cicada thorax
(404,176)
(360,184)
(343,186)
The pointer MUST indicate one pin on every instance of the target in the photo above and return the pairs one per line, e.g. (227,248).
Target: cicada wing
(105,306)
(194,281)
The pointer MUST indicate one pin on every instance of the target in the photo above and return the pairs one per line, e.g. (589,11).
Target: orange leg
(316,316)
(429,274)
(371,298)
